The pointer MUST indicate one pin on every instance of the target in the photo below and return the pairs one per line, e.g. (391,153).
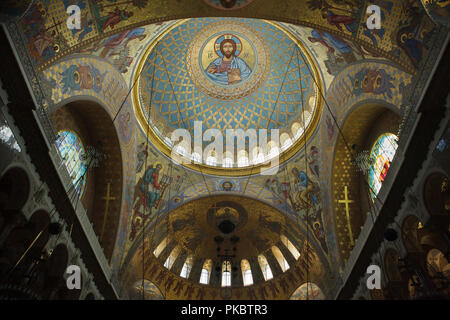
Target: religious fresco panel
(402,38)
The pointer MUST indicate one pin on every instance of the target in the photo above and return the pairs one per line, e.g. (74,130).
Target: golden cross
(107,197)
(346,201)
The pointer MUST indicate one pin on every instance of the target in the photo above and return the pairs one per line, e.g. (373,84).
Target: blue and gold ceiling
(275,88)
(104,18)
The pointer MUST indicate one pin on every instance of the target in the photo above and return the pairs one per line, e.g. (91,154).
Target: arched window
(72,150)
(226,274)
(187,267)
(265,268)
(168,141)
(227,163)
(242,158)
(307,116)
(280,258)
(297,130)
(181,150)
(227,159)
(246,273)
(285,140)
(211,161)
(172,257)
(161,247)
(196,157)
(288,244)
(258,155)
(286,144)
(381,155)
(274,152)
(243,161)
(206,272)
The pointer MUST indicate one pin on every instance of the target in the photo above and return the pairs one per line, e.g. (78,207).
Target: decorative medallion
(227,60)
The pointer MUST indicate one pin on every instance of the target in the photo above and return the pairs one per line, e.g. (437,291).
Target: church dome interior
(227,232)
(280,90)
(224,149)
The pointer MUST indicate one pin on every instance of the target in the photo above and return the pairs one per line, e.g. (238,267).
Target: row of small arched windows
(226,265)
(257,155)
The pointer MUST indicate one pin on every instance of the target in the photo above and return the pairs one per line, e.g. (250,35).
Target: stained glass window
(71,149)
(226,274)
(381,156)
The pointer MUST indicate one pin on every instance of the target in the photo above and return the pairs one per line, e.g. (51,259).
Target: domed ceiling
(195,233)
(270,84)
(257,226)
